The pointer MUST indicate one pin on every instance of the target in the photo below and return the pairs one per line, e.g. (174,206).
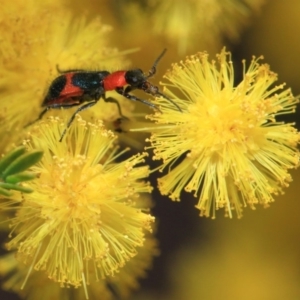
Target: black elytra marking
(56,87)
(89,81)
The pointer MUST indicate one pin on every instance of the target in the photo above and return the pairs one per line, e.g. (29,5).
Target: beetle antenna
(152,71)
(174,103)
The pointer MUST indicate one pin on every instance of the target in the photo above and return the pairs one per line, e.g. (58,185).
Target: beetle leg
(113,100)
(134,98)
(81,108)
(39,117)
(54,106)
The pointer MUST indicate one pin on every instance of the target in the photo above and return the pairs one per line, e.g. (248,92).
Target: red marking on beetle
(114,80)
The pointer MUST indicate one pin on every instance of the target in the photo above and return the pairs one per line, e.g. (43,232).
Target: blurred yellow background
(256,257)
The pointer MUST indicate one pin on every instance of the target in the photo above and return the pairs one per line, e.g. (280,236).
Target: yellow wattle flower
(126,280)
(235,151)
(39,286)
(85,214)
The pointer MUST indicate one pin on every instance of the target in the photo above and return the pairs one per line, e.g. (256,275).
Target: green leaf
(16,187)
(10,157)
(24,176)
(22,163)
(5,192)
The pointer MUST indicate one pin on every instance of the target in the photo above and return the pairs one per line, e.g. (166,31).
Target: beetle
(75,87)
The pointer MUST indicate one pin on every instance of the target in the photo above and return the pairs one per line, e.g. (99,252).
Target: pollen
(86,214)
(234,151)
(39,286)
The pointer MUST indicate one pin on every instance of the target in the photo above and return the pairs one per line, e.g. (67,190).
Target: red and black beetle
(75,87)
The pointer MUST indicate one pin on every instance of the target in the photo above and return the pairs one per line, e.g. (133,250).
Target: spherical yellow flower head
(85,213)
(39,286)
(235,152)
(126,280)
(36,42)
